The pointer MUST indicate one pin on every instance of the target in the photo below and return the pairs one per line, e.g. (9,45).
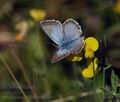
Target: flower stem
(94,76)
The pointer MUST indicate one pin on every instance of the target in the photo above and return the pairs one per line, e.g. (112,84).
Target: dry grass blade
(18,61)
(12,75)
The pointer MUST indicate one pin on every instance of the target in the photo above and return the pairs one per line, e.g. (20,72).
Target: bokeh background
(25,50)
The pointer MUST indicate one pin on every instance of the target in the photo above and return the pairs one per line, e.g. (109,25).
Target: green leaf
(114,82)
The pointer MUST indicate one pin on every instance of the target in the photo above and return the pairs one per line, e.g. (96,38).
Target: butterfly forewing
(72,35)
(53,29)
(71,29)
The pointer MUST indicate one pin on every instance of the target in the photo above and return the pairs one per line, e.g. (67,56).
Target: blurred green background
(25,51)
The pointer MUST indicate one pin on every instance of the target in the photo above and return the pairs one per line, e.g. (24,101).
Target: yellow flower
(37,14)
(116,7)
(91,45)
(75,57)
(91,69)
(89,53)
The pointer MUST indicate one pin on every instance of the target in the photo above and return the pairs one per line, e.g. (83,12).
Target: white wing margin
(53,29)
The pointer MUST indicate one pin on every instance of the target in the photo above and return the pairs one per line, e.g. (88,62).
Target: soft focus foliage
(26,74)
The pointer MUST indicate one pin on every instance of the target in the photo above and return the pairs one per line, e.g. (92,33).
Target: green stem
(103,82)
(94,75)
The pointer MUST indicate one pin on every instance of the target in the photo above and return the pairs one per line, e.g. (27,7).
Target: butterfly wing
(76,45)
(72,36)
(71,29)
(59,55)
(53,29)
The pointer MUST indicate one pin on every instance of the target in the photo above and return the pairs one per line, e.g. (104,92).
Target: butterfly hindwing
(59,55)
(77,47)
(53,29)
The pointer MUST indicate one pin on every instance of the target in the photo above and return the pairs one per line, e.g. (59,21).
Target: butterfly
(67,36)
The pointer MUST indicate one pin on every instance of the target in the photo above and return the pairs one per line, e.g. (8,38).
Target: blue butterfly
(67,36)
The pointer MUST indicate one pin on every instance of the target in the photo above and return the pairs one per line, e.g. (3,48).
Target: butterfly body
(67,37)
